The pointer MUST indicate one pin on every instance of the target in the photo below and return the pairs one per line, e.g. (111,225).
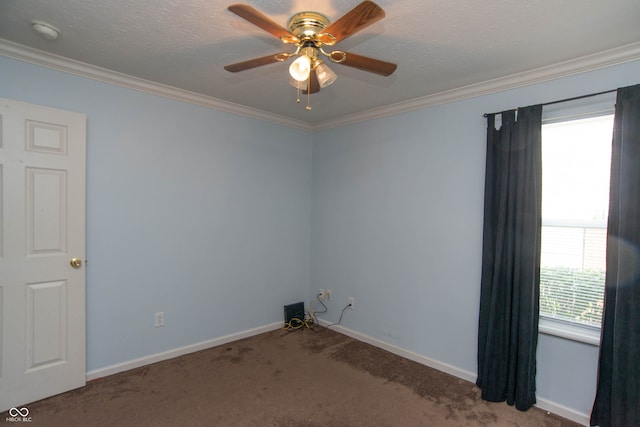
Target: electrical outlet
(352,303)
(328,294)
(321,294)
(159,319)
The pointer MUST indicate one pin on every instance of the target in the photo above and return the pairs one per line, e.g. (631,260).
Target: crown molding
(619,55)
(60,63)
(607,58)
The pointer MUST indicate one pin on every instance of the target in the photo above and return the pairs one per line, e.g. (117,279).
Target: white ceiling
(438,44)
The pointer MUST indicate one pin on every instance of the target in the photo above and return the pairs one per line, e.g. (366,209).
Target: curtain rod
(575,98)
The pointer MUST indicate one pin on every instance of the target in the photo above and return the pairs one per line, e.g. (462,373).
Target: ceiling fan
(310,32)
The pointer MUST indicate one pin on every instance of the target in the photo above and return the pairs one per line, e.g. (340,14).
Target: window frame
(596,106)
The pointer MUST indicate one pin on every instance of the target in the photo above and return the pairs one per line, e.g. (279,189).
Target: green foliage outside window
(571,294)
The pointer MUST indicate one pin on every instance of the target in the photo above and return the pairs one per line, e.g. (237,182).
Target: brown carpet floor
(298,379)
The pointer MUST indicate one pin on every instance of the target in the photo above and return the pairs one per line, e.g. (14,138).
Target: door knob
(76,262)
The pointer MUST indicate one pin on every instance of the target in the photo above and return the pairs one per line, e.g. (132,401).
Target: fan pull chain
(308,107)
(298,97)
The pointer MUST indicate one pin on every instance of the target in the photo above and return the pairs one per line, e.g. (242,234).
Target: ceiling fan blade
(314,84)
(257,62)
(371,65)
(258,19)
(358,18)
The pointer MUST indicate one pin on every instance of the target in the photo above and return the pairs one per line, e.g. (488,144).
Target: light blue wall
(200,214)
(397,224)
(218,220)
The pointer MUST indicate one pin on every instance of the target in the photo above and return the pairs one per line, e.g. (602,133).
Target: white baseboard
(563,411)
(158,357)
(544,404)
(423,360)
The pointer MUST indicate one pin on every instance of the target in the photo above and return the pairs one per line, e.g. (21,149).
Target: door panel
(46,137)
(46,324)
(46,211)
(42,227)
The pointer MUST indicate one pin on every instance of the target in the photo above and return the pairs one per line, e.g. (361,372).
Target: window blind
(576,158)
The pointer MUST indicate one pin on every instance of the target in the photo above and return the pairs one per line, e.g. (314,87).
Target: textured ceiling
(437,44)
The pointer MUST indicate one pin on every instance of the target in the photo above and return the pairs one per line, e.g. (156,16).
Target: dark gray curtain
(508,326)
(618,393)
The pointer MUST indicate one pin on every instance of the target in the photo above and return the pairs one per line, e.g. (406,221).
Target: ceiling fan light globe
(326,76)
(300,68)
(302,85)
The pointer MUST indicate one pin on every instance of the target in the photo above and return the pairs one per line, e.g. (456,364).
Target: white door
(42,227)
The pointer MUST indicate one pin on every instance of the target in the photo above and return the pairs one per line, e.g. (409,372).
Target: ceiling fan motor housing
(305,25)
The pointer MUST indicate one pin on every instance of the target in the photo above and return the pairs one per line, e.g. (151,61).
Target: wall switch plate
(321,294)
(328,294)
(159,319)
(352,303)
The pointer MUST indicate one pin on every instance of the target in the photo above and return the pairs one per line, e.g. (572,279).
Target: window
(576,161)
